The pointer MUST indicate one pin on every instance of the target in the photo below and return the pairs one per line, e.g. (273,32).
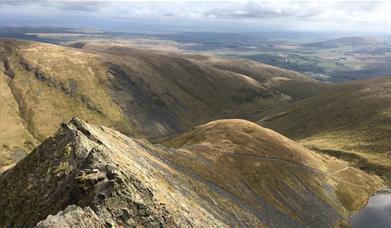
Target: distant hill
(225,173)
(347,41)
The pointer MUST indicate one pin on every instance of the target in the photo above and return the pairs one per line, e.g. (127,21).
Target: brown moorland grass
(351,119)
(243,157)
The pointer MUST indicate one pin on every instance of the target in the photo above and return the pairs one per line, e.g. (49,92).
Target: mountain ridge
(113,179)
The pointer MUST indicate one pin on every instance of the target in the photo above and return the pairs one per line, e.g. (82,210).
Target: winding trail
(257,157)
(341,170)
(269,158)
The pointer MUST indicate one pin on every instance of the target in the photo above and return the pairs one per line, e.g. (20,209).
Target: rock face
(113,180)
(72,216)
(88,176)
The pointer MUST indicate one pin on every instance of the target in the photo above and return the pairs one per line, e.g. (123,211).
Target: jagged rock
(109,178)
(88,176)
(72,216)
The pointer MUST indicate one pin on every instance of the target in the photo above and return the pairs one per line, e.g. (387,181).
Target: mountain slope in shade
(141,93)
(95,176)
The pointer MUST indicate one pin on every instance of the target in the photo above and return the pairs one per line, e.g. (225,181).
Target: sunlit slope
(351,121)
(14,136)
(290,83)
(45,85)
(259,71)
(286,182)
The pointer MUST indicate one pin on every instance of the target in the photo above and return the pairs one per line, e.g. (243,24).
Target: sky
(208,15)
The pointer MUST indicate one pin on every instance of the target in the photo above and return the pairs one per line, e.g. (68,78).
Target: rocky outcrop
(86,176)
(73,216)
(89,176)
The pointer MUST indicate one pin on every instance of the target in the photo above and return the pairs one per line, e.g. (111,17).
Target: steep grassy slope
(13,131)
(351,121)
(46,85)
(178,82)
(141,93)
(212,177)
(259,71)
(267,170)
(268,75)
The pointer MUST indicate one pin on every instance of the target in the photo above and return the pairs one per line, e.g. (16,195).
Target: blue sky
(257,15)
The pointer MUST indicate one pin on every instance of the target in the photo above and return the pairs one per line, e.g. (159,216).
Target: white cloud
(331,14)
